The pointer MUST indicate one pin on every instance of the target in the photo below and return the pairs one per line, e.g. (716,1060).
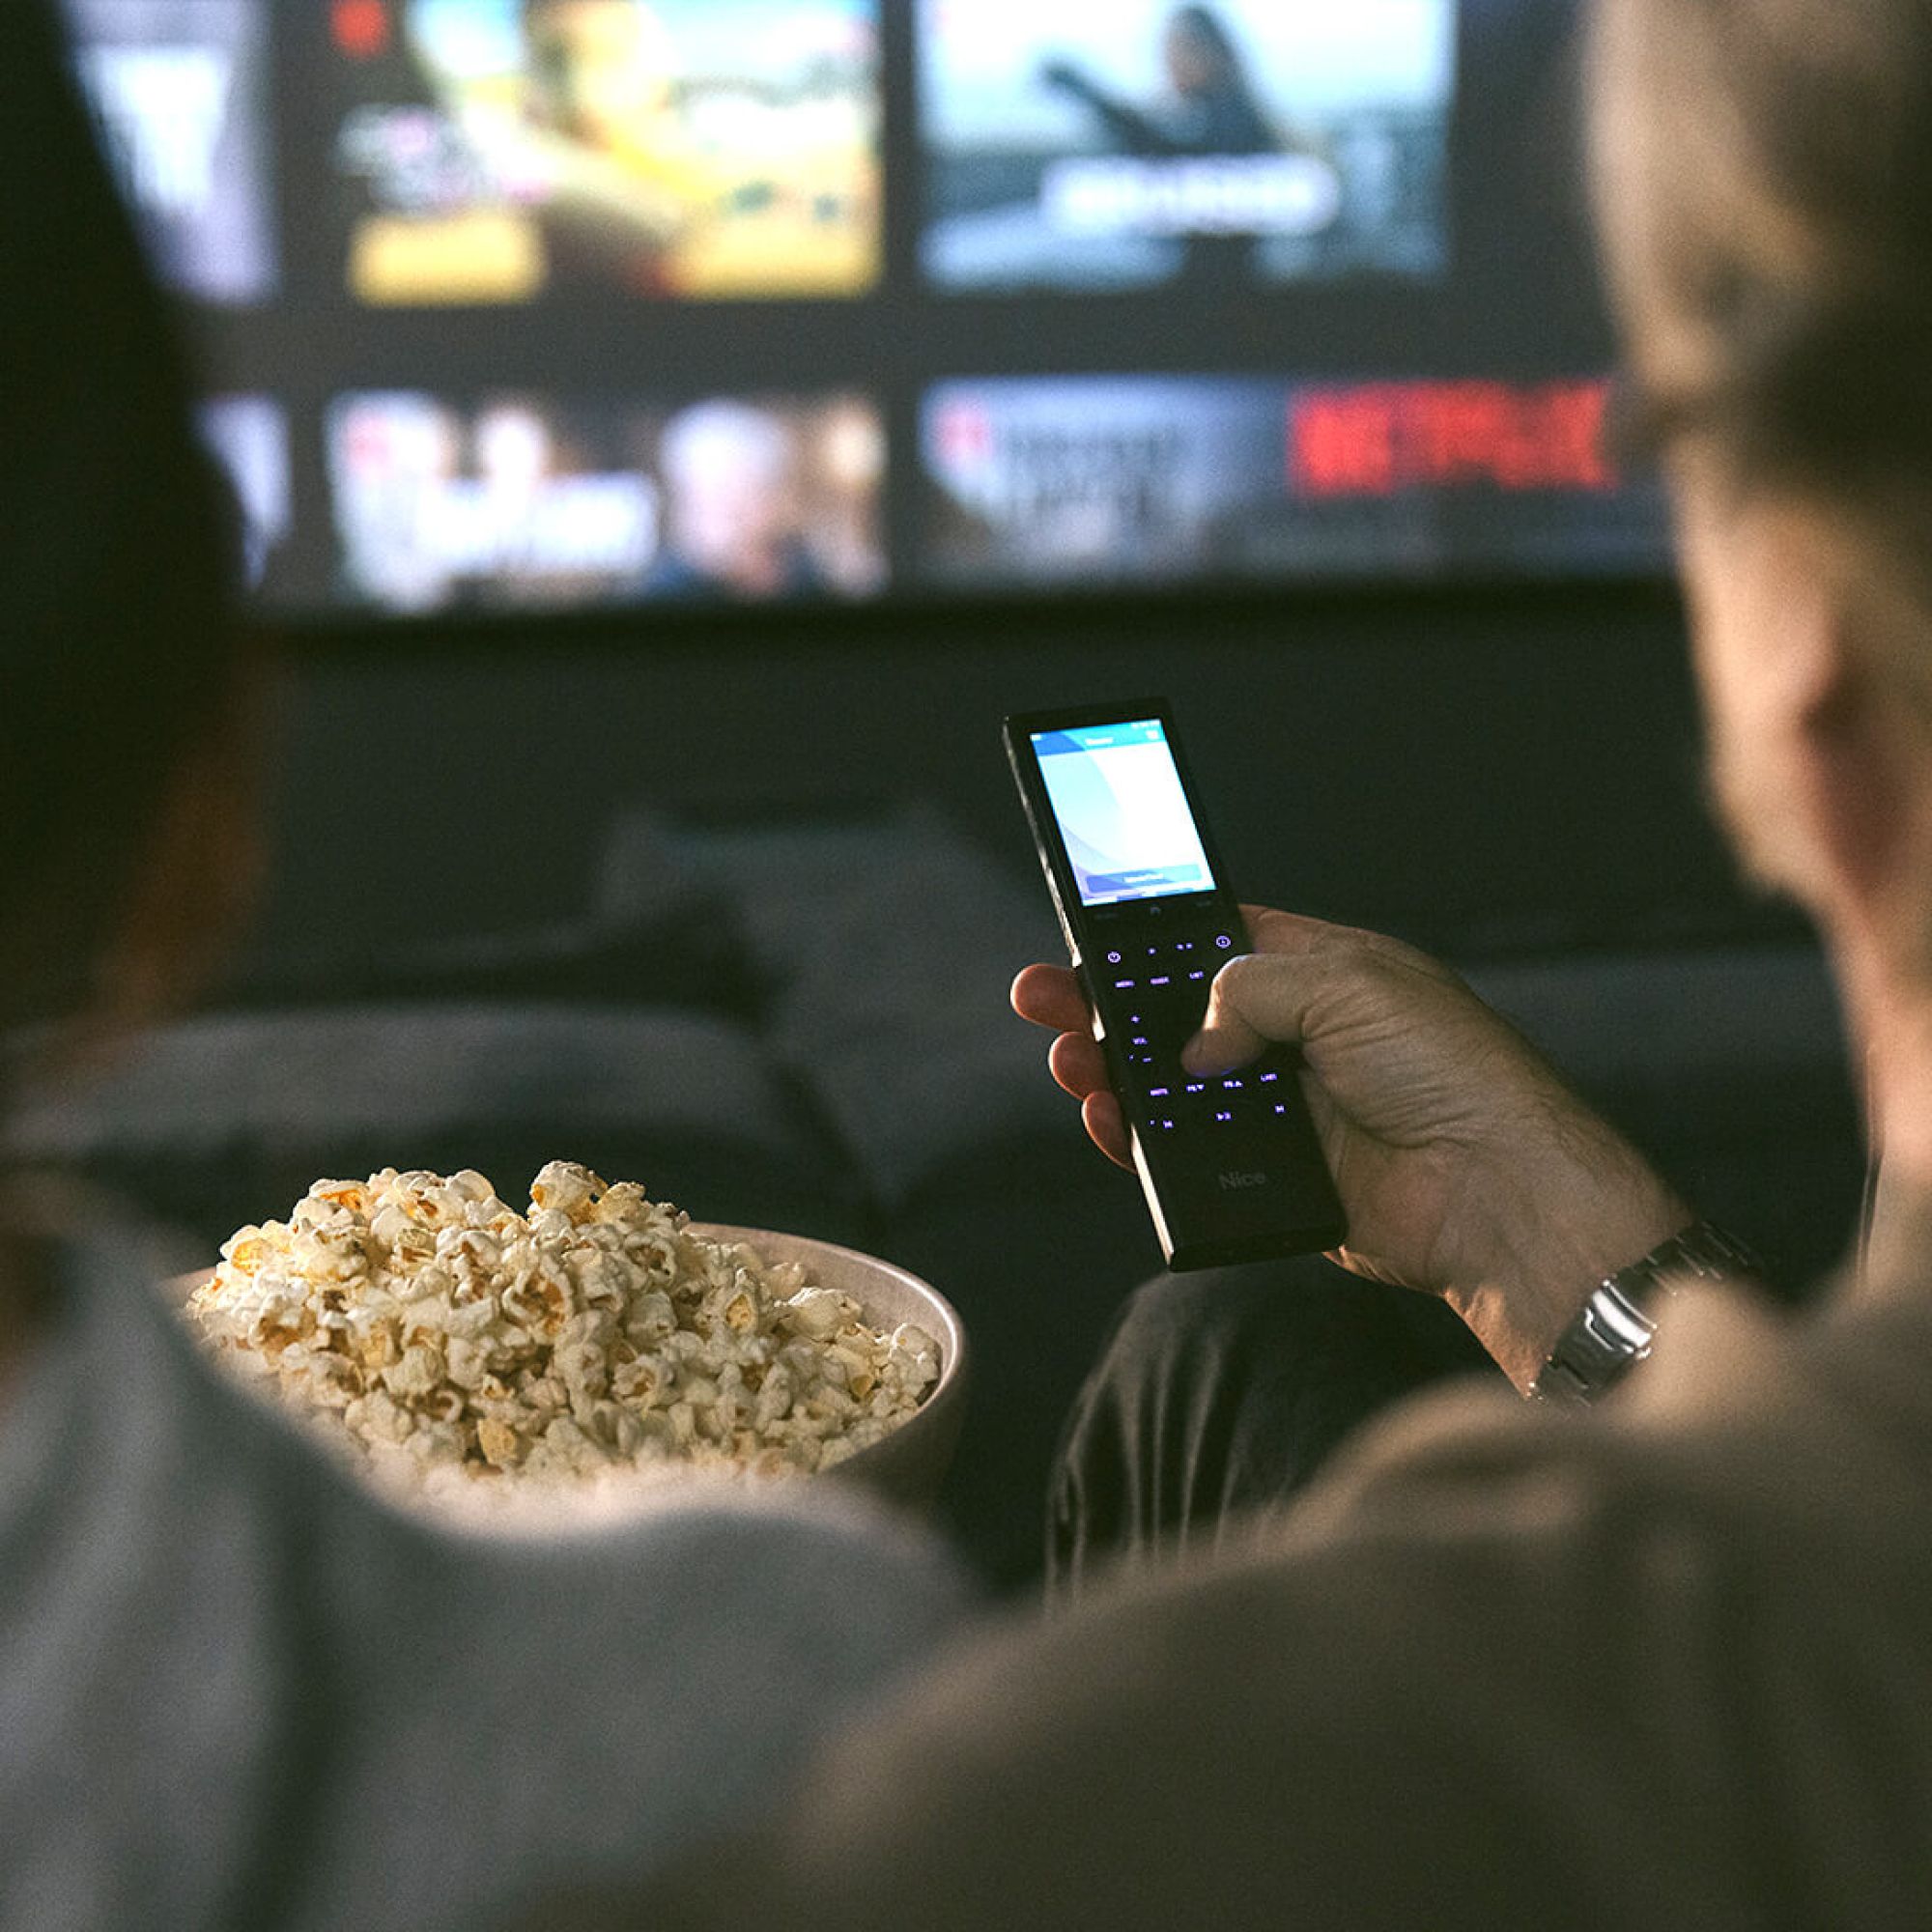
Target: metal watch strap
(1615,1327)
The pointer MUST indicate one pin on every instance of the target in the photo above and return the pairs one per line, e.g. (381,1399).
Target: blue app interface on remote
(1123,814)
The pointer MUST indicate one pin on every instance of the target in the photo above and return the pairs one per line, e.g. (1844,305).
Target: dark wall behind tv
(1485,770)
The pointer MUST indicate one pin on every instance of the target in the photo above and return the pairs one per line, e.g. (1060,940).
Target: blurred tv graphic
(1141,142)
(495,151)
(248,436)
(180,92)
(522,500)
(392,221)
(1085,478)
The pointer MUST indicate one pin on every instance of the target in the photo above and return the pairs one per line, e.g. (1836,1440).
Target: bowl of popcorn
(451,1345)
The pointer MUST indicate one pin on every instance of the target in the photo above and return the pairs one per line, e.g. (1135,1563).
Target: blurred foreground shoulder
(1666,1665)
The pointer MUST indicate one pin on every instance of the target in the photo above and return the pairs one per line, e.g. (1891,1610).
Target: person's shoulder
(645,1684)
(1500,1639)
(1746,1417)
(162,1396)
(813,1555)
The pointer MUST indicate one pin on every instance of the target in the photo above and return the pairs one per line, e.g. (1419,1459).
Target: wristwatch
(1616,1326)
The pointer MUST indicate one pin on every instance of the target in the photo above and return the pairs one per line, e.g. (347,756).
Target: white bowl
(908,1465)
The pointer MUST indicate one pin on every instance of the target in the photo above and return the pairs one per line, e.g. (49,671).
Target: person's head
(730,472)
(1200,53)
(1763,192)
(120,659)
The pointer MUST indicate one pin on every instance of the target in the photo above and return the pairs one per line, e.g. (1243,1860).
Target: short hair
(1763,176)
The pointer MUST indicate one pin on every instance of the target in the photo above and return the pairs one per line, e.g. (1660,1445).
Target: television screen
(518,305)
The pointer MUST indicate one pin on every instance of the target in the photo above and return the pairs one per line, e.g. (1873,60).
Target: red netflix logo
(1381,438)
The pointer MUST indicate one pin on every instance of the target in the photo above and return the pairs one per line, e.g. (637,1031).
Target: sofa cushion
(228,1118)
(888,943)
(651,933)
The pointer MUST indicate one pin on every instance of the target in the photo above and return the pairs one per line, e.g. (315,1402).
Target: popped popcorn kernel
(564,1187)
(441,1335)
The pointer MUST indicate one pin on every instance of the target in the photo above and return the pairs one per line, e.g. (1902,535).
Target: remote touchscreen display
(1123,816)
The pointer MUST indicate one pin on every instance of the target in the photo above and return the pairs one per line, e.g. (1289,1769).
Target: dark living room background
(1041,354)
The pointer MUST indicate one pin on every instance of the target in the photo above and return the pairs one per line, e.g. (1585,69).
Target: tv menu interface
(515,304)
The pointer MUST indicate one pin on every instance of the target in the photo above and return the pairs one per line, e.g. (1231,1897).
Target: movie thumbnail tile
(523,501)
(1042,479)
(1099,480)
(1137,143)
(248,436)
(500,151)
(180,93)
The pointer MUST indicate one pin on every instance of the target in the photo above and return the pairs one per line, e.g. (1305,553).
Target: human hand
(1465,1166)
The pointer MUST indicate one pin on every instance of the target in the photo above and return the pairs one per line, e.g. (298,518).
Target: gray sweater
(1665,1664)
(238,1690)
